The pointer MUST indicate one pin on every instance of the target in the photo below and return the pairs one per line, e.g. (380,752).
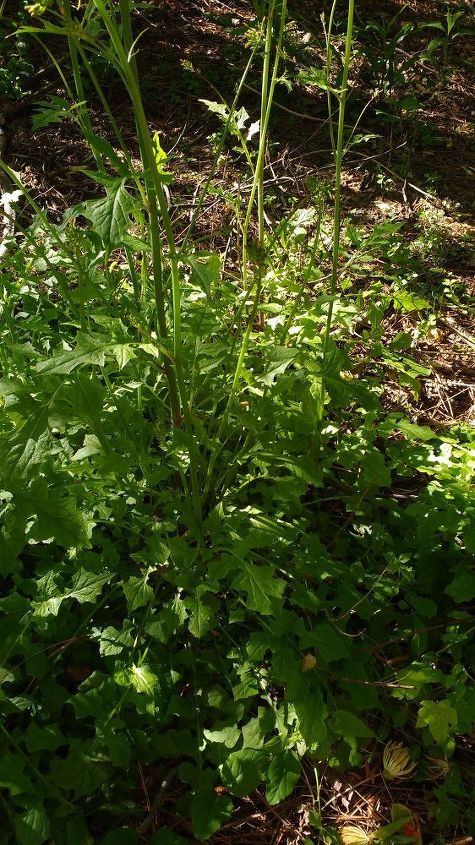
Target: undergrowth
(221,558)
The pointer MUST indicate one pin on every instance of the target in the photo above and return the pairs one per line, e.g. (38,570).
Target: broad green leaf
(329,643)
(143,679)
(209,810)
(345,724)
(312,713)
(13,776)
(32,827)
(282,777)
(89,350)
(137,592)
(201,616)
(56,516)
(225,736)
(86,586)
(206,269)
(110,215)
(20,458)
(440,717)
(462,588)
(260,585)
(254,733)
(243,771)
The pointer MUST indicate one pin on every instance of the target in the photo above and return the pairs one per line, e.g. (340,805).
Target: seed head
(397,762)
(351,834)
(438,768)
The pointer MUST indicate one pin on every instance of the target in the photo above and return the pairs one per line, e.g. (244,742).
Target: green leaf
(440,717)
(32,827)
(110,215)
(12,776)
(137,592)
(329,644)
(226,736)
(283,775)
(201,616)
(89,350)
(86,586)
(56,516)
(243,771)
(311,712)
(143,679)
(209,810)
(345,724)
(160,160)
(261,587)
(462,588)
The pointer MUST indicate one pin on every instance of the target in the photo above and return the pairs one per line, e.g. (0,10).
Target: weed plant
(221,559)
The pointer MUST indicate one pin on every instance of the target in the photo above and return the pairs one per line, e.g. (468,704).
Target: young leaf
(440,717)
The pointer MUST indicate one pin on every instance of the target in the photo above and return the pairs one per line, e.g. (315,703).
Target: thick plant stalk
(266,108)
(157,204)
(337,203)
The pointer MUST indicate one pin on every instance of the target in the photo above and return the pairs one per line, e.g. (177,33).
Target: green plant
(207,553)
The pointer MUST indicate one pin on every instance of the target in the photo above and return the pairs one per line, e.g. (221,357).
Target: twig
(157,802)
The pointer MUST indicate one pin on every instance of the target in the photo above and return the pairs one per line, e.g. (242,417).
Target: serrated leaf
(110,215)
(88,350)
(56,516)
(440,717)
(283,775)
(12,775)
(32,827)
(201,617)
(137,592)
(143,679)
(86,586)
(260,585)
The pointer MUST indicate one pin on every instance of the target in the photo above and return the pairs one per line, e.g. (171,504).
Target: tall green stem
(157,203)
(82,109)
(266,108)
(337,203)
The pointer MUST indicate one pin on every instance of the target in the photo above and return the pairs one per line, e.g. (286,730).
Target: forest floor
(418,171)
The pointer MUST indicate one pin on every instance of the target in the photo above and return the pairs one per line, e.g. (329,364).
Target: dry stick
(157,802)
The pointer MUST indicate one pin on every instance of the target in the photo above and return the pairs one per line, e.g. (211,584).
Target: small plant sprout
(397,763)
